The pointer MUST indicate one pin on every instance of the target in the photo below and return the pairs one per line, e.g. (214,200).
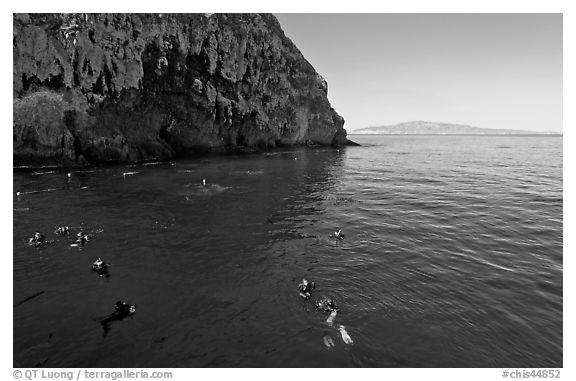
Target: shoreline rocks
(125,88)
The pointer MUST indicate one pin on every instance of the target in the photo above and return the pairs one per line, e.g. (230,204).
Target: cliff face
(130,87)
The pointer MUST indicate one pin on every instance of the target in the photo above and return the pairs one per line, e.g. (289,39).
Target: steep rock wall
(131,87)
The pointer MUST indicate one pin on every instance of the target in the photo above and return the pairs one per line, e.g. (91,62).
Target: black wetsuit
(123,310)
(306,289)
(62,230)
(327,305)
(37,240)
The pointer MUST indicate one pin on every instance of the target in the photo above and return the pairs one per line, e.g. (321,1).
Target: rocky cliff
(133,87)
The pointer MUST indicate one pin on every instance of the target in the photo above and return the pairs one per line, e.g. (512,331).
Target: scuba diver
(82,238)
(122,311)
(101,267)
(328,305)
(62,230)
(37,240)
(337,235)
(306,288)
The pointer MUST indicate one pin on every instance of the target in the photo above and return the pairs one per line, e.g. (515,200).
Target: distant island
(432,128)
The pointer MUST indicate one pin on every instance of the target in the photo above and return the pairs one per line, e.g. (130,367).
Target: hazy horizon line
(560,132)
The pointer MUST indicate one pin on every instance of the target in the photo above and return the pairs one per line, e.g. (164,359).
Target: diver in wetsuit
(306,288)
(327,305)
(99,264)
(100,267)
(122,311)
(82,238)
(37,240)
(337,235)
(62,230)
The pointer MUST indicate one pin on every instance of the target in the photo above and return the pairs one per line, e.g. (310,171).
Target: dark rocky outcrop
(132,87)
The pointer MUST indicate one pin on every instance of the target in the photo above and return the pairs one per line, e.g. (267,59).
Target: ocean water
(452,257)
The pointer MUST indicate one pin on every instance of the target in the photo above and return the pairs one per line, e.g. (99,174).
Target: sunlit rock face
(94,88)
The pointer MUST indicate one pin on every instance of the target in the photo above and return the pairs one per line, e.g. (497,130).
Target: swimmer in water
(37,240)
(62,230)
(306,288)
(122,311)
(82,239)
(327,305)
(204,182)
(100,264)
(338,235)
(101,267)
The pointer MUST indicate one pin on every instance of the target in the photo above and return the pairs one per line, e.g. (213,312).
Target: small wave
(36,173)
(250,172)
(547,199)
(204,190)
(130,173)
(341,200)
(37,191)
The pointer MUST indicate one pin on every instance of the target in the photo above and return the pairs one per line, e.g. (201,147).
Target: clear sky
(485,70)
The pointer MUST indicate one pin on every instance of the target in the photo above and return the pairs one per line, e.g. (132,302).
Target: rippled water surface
(452,257)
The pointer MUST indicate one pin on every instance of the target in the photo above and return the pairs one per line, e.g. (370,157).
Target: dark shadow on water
(214,262)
